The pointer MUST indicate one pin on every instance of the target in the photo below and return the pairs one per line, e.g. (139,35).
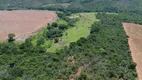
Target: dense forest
(103,55)
(134,6)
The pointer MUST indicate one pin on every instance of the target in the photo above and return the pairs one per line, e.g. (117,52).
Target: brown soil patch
(134,31)
(71,77)
(71,59)
(23,23)
(79,71)
(77,74)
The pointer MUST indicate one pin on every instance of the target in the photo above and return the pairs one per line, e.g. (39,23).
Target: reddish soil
(23,23)
(79,71)
(134,31)
(77,74)
(71,59)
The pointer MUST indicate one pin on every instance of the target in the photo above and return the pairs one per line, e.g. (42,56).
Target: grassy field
(81,29)
(57,4)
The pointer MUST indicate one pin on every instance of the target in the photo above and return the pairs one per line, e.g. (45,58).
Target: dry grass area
(134,31)
(23,23)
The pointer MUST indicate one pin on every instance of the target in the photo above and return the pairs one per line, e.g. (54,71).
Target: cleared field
(134,31)
(23,23)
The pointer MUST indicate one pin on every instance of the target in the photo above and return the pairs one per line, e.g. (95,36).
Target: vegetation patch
(80,29)
(65,32)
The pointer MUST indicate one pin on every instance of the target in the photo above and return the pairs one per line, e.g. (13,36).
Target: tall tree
(11,37)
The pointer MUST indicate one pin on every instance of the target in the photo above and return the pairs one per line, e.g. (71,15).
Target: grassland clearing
(81,29)
(57,4)
(72,34)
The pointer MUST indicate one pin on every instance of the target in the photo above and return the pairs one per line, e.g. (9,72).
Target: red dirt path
(23,23)
(134,31)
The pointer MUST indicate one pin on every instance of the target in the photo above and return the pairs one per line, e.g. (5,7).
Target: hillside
(103,54)
(86,42)
(75,5)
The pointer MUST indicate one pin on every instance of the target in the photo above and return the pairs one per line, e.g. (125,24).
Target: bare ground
(79,71)
(134,31)
(23,23)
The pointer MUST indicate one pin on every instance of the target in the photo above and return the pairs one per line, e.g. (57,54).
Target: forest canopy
(134,6)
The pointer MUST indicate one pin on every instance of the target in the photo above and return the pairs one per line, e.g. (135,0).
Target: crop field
(23,23)
(134,31)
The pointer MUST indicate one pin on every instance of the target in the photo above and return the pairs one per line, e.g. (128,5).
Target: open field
(81,29)
(57,4)
(72,34)
(23,23)
(134,31)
